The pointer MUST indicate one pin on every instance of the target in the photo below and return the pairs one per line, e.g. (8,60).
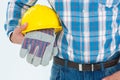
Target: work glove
(39,47)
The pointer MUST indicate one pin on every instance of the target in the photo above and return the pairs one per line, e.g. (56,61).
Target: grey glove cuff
(40,36)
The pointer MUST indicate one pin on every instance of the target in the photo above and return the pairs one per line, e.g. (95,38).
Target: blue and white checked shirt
(91,28)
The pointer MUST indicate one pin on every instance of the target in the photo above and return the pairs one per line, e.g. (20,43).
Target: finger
(25,47)
(47,55)
(55,49)
(38,53)
(30,55)
(54,52)
(32,51)
(29,58)
(33,46)
(36,61)
(23,52)
(21,28)
(37,57)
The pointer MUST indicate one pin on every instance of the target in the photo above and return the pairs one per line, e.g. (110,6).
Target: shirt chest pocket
(109,3)
(109,10)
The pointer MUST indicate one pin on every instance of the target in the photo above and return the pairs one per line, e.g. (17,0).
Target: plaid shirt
(91,28)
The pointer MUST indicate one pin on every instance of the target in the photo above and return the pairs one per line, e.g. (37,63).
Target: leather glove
(38,47)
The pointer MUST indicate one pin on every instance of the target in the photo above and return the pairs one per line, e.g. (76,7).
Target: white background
(12,67)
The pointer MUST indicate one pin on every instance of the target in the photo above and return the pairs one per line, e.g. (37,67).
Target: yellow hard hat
(40,17)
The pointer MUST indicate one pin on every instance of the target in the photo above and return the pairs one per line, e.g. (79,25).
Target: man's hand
(17,36)
(115,76)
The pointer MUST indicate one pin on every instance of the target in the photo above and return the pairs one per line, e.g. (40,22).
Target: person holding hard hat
(40,34)
(87,46)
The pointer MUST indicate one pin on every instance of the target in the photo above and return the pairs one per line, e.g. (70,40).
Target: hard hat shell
(40,17)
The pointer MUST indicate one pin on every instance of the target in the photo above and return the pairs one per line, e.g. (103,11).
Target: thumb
(21,28)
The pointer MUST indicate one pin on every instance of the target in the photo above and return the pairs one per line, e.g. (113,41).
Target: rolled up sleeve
(15,10)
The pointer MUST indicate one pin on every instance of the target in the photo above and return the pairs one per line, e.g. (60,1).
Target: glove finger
(36,61)
(40,52)
(23,52)
(36,58)
(29,58)
(54,52)
(33,45)
(32,50)
(25,48)
(47,55)
(55,49)
(30,55)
